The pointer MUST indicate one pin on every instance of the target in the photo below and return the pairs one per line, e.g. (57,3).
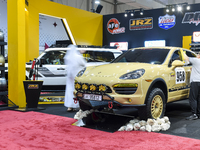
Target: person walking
(194,98)
(74,62)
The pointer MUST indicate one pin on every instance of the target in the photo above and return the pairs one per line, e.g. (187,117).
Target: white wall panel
(51,30)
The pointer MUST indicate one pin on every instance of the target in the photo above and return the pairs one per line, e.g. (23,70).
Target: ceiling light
(97,2)
(179,8)
(188,7)
(141,11)
(167,8)
(132,12)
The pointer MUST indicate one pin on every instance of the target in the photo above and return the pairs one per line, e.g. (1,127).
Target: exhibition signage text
(192,17)
(141,23)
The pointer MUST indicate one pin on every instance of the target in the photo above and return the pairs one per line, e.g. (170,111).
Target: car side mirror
(177,63)
(41,61)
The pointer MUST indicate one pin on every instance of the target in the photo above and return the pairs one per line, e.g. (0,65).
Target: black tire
(155,105)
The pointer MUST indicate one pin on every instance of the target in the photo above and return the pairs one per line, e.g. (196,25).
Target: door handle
(60,68)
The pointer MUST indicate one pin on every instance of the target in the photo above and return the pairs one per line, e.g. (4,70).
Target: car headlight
(133,75)
(81,72)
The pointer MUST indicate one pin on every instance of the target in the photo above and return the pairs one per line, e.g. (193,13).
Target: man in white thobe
(74,62)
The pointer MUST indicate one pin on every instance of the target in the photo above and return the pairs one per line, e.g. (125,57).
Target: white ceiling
(153,4)
(119,6)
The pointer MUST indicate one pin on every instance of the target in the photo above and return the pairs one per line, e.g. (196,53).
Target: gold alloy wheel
(156,106)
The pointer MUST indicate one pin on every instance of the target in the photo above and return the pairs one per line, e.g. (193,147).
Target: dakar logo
(166,22)
(113,26)
(192,17)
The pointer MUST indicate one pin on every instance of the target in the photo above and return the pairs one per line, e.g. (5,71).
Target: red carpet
(39,131)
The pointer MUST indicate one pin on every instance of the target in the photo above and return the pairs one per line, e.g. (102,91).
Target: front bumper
(107,101)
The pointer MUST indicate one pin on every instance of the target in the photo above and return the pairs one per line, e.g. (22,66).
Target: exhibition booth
(154,27)
(33,25)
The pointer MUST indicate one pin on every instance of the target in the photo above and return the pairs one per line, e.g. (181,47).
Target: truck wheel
(155,106)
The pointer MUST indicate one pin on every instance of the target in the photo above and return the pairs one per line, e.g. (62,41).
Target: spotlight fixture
(167,8)
(179,7)
(132,12)
(188,7)
(97,2)
(141,11)
(173,9)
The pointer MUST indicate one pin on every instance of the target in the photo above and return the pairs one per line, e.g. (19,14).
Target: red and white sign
(113,26)
(120,45)
(196,36)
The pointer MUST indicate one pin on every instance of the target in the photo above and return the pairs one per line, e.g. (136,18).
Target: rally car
(144,78)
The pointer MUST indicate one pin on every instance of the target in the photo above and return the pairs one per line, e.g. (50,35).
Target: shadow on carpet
(39,131)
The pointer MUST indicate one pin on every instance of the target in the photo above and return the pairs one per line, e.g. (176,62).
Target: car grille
(125,90)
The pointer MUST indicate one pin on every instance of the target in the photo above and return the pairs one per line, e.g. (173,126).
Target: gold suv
(145,78)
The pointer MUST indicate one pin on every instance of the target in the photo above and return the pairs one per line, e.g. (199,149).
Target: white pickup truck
(52,70)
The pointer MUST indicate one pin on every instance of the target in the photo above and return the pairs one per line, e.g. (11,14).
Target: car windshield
(146,55)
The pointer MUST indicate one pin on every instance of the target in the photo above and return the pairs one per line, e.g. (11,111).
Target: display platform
(176,111)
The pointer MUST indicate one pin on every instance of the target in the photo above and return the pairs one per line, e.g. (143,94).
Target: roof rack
(83,46)
(59,45)
(88,46)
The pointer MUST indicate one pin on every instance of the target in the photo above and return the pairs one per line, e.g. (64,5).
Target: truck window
(54,58)
(189,54)
(104,56)
(98,56)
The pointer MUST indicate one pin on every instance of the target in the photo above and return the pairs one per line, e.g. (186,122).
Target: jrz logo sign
(180,75)
(166,22)
(33,86)
(113,26)
(141,23)
(192,17)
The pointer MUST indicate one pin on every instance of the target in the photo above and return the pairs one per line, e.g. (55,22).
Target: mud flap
(85,105)
(105,121)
